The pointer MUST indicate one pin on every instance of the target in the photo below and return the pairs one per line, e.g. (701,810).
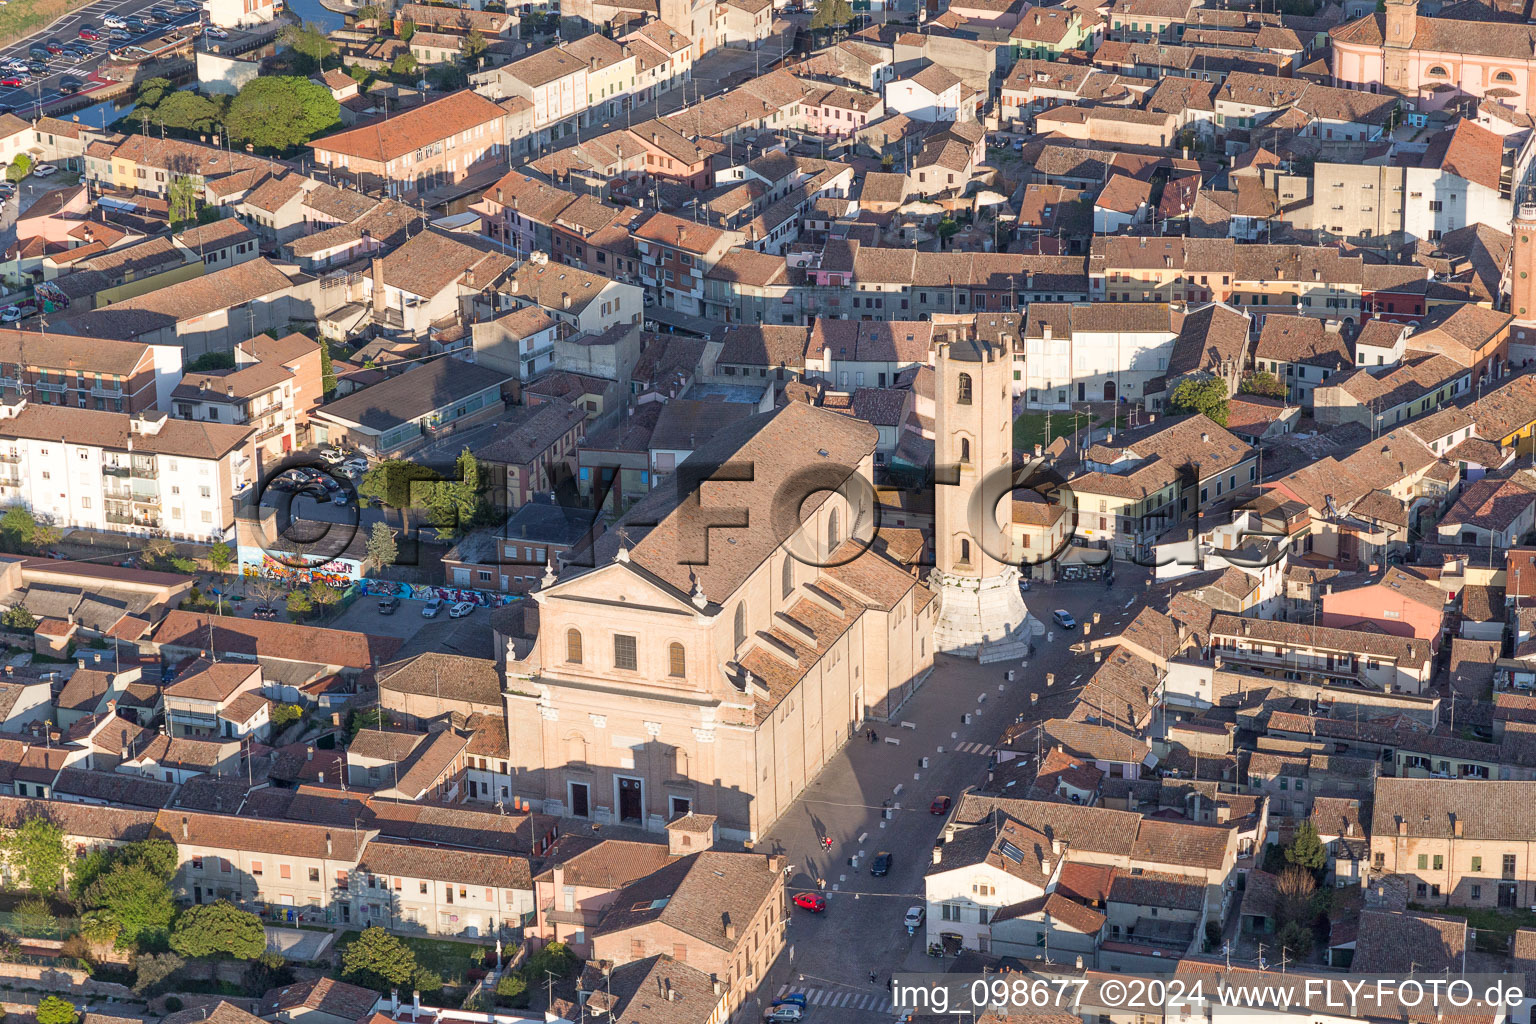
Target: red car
(86,32)
(815,902)
(940,805)
(12,80)
(54,47)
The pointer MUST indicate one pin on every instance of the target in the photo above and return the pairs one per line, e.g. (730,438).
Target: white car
(914,918)
(331,454)
(356,464)
(461,609)
(43,170)
(10,314)
(214,32)
(114,21)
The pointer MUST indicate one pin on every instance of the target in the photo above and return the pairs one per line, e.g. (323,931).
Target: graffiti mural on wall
(294,576)
(428,591)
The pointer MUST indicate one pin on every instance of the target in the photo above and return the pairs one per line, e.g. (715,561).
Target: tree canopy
(1307,850)
(36,852)
(54,1010)
(1264,384)
(1208,397)
(382,548)
(280,113)
(378,960)
(309,47)
(137,900)
(219,928)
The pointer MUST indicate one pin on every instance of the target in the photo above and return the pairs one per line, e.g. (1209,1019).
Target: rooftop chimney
(730,926)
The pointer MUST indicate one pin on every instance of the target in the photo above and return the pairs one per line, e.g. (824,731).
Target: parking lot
(42,82)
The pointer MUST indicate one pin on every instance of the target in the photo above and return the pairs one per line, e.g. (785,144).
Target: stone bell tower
(981,611)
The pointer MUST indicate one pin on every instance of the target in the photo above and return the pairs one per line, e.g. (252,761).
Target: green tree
(190,112)
(1307,850)
(406,30)
(279,113)
(220,557)
(398,483)
(17,526)
(1208,397)
(183,199)
(299,604)
(473,47)
(98,927)
(211,361)
(510,986)
(157,856)
(366,718)
(327,371)
(382,549)
(36,852)
(183,564)
(404,64)
(152,970)
(138,900)
(1295,939)
(455,505)
(34,918)
(45,536)
(1264,384)
(554,958)
(284,715)
(323,596)
(86,870)
(1295,885)
(378,960)
(19,168)
(150,92)
(309,48)
(268,971)
(219,929)
(447,77)
(54,1010)
(17,617)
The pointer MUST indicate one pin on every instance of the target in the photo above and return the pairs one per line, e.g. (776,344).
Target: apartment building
(86,373)
(676,255)
(1135,485)
(1458,842)
(1294,650)
(473,894)
(437,143)
(311,869)
(145,474)
(1095,352)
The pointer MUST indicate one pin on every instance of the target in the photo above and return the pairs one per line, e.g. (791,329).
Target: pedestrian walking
(872,976)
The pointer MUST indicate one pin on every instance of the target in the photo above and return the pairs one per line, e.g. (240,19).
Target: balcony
(147,470)
(152,500)
(269,432)
(10,458)
(102,391)
(57,387)
(121,518)
(114,470)
(577,917)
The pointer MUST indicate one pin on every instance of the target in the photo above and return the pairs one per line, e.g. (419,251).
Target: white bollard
(941,748)
(1010,677)
(916,777)
(863,836)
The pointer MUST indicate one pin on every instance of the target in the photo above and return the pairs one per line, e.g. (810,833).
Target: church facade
(739,627)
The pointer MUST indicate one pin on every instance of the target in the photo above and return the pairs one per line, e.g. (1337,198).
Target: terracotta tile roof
(1157,889)
(327,995)
(276,640)
(394,137)
(212,681)
(473,867)
(451,676)
(113,431)
(698,895)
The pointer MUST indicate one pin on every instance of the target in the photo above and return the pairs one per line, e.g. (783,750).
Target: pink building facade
(1431,61)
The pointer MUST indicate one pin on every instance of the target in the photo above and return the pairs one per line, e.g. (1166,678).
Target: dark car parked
(881,865)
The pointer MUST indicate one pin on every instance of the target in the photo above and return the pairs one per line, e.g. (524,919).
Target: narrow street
(830,956)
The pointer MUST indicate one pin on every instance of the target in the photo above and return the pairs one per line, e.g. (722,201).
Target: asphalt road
(44,89)
(834,953)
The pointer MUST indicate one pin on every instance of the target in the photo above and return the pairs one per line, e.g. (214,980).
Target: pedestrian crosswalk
(972,748)
(874,1000)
